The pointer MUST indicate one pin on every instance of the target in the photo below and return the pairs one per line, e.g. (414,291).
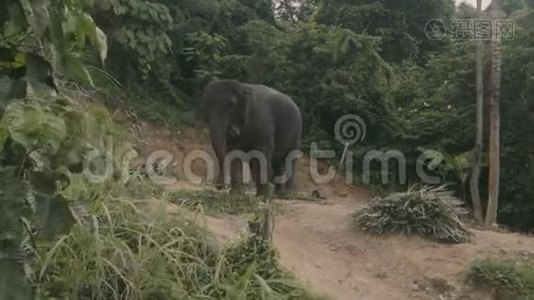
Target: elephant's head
(226,103)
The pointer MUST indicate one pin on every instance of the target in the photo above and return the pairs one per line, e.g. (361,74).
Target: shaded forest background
(333,57)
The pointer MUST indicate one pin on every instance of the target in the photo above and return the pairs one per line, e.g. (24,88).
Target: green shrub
(431,212)
(507,278)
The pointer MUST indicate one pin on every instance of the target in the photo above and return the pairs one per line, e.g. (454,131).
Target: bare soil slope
(316,242)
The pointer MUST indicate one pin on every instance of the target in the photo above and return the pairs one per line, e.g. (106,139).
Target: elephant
(259,121)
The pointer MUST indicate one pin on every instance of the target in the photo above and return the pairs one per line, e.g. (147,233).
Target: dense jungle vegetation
(152,58)
(370,58)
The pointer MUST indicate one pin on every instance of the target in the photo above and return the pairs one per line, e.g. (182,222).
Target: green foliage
(144,102)
(3,135)
(13,206)
(58,31)
(205,50)
(400,24)
(36,122)
(430,102)
(35,126)
(517,106)
(431,212)
(457,165)
(507,278)
(40,150)
(52,215)
(11,285)
(142,46)
(139,27)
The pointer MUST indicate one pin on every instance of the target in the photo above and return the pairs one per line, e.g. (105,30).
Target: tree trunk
(494,115)
(477,151)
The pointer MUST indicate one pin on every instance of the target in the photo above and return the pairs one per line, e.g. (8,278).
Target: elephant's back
(286,118)
(280,104)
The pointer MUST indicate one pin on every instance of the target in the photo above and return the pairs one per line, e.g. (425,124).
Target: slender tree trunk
(494,115)
(477,151)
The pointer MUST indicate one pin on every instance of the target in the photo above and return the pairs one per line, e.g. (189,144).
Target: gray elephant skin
(254,118)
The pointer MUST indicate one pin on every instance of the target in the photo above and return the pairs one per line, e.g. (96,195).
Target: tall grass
(135,251)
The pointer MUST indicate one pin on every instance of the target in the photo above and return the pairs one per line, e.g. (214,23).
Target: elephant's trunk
(218,130)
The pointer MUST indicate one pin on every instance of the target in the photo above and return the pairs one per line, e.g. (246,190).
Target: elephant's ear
(243,104)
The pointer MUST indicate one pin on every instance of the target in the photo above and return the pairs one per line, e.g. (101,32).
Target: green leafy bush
(140,28)
(506,277)
(40,140)
(431,212)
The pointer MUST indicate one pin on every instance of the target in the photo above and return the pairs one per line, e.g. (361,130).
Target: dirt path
(315,241)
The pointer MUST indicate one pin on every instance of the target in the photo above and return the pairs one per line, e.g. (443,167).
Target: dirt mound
(185,143)
(178,144)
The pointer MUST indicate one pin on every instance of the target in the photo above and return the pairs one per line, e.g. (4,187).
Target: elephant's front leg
(220,183)
(236,176)
(261,174)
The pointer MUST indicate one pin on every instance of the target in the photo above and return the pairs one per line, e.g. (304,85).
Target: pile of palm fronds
(431,212)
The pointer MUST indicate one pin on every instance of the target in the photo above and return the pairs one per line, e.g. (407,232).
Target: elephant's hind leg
(286,172)
(280,178)
(261,176)
(291,174)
